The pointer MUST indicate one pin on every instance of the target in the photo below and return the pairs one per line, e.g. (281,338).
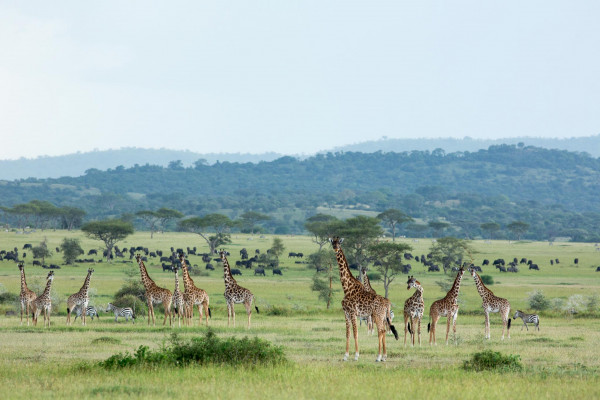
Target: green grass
(559,361)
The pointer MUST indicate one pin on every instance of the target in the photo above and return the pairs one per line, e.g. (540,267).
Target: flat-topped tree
(109,231)
(159,218)
(393,217)
(213,228)
(321,226)
(359,233)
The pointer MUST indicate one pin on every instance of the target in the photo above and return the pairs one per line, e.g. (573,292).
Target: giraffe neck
(46,293)
(453,293)
(24,287)
(146,280)
(176,280)
(229,280)
(347,279)
(86,284)
(419,291)
(366,281)
(483,291)
(188,283)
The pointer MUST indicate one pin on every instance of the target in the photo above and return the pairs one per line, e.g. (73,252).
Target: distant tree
(159,218)
(41,251)
(218,224)
(417,229)
(72,217)
(176,165)
(71,249)
(249,219)
(200,163)
(438,227)
(491,228)
(323,261)
(277,248)
(109,231)
(450,251)
(393,217)
(389,257)
(359,233)
(322,227)
(518,228)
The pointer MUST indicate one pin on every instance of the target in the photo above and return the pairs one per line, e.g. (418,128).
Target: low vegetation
(489,360)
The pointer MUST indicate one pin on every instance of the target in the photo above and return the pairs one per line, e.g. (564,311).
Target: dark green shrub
(279,311)
(537,301)
(492,360)
(374,276)
(487,279)
(7,297)
(208,349)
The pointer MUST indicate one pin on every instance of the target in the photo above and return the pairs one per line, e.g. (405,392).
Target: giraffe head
(181,257)
(50,276)
(138,257)
(21,266)
(472,271)
(336,241)
(91,271)
(412,283)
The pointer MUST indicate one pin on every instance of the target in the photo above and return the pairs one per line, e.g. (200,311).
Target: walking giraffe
(26,297)
(234,293)
(358,302)
(154,294)
(43,302)
(492,303)
(80,298)
(367,284)
(178,301)
(446,307)
(414,307)
(195,295)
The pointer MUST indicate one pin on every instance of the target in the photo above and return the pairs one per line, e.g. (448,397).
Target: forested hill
(556,192)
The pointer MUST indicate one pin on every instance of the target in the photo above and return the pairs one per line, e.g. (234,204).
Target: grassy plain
(560,361)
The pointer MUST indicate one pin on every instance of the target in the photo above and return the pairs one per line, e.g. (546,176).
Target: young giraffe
(492,303)
(43,302)
(178,300)
(154,294)
(359,302)
(234,293)
(367,284)
(80,298)
(446,307)
(27,296)
(195,295)
(414,307)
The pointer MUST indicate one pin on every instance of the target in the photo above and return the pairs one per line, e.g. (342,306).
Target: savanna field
(559,361)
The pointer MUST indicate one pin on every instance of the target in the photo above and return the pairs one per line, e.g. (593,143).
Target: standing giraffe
(26,297)
(154,294)
(492,303)
(446,307)
(43,302)
(234,293)
(80,298)
(195,295)
(414,307)
(178,300)
(367,284)
(358,302)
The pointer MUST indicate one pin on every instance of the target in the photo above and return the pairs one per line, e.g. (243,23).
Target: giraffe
(367,284)
(80,298)
(358,302)
(446,307)
(234,293)
(154,293)
(27,296)
(414,307)
(194,295)
(178,300)
(43,302)
(492,303)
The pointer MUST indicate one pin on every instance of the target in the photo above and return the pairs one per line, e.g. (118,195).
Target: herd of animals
(360,302)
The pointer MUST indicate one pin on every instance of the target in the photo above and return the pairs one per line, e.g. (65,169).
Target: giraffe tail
(209,313)
(258,312)
(392,328)
(428,326)
(509,320)
(409,330)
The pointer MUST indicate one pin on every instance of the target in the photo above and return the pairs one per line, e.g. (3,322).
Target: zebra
(126,312)
(531,318)
(90,311)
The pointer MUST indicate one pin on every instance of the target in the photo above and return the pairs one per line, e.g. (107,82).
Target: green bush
(9,298)
(537,301)
(492,360)
(374,276)
(208,349)
(487,279)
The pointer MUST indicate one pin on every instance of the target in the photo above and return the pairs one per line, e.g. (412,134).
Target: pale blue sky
(292,76)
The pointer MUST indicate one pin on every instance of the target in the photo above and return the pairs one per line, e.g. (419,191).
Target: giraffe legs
(382,355)
(355,333)
(419,329)
(248,306)
(487,325)
(406,322)
(347,337)
(434,320)
(150,313)
(168,312)
(205,304)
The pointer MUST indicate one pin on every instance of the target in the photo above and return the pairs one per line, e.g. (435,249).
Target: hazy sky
(292,76)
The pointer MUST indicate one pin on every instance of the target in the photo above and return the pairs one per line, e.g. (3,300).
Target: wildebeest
(276,271)
(235,271)
(534,266)
(210,267)
(259,271)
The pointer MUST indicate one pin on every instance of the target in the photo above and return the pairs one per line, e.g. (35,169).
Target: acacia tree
(438,227)
(358,232)
(109,231)
(491,228)
(322,261)
(322,227)
(71,249)
(217,224)
(159,218)
(389,256)
(393,218)
(71,217)
(249,219)
(450,251)
(518,228)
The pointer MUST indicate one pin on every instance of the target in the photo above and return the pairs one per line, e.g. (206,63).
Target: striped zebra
(126,312)
(90,311)
(531,318)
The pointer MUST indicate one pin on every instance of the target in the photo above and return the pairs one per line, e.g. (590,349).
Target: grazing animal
(154,294)
(80,298)
(236,272)
(358,302)
(259,271)
(43,302)
(234,293)
(126,312)
(277,271)
(492,303)
(90,311)
(414,307)
(26,297)
(446,307)
(195,296)
(531,318)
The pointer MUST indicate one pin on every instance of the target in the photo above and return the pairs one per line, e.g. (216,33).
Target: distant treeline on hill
(555,192)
